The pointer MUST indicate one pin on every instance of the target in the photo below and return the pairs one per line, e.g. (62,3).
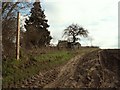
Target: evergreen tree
(37,33)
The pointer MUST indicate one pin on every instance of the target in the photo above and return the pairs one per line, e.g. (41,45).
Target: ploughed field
(97,68)
(100,68)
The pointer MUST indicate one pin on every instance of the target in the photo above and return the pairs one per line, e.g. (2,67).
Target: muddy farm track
(100,68)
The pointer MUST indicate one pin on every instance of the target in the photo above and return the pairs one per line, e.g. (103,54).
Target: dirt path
(66,73)
(90,70)
(52,77)
(73,74)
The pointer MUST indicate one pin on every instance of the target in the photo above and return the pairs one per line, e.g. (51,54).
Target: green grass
(15,71)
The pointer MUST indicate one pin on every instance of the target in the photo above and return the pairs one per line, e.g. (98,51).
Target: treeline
(36,34)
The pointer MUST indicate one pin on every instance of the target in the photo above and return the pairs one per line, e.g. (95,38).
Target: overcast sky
(99,17)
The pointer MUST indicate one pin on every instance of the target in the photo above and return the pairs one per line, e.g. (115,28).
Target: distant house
(77,45)
(65,44)
(62,44)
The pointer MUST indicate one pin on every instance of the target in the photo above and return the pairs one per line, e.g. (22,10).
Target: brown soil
(100,68)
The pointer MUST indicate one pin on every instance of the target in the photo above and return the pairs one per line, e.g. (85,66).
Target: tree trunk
(74,39)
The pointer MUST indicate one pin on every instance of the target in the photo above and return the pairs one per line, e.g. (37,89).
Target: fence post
(18,37)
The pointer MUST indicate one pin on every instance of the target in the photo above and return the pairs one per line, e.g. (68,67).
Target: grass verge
(15,71)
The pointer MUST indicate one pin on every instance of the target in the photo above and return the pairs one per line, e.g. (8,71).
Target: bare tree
(73,31)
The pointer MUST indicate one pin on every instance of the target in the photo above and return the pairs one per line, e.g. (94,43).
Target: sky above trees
(100,17)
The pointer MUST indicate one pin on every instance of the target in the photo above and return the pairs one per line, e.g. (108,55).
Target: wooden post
(18,37)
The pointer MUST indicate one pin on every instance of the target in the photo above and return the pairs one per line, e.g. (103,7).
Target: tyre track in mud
(67,76)
(90,70)
(86,70)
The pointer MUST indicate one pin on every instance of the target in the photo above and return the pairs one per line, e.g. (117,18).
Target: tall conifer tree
(37,33)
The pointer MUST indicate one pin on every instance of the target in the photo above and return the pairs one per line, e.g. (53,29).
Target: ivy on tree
(37,33)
